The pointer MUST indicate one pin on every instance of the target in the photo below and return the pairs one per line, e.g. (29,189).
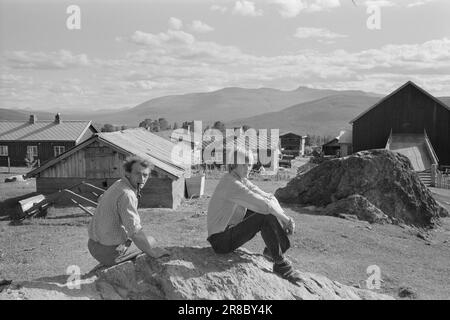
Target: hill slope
(323,116)
(224,105)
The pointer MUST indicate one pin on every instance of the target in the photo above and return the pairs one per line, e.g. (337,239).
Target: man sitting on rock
(238,210)
(116,222)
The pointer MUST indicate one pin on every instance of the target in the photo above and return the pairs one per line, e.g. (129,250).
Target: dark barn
(99,161)
(43,140)
(409,120)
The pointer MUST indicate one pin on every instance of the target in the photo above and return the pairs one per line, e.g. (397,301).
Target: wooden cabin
(292,144)
(340,146)
(99,161)
(331,148)
(41,140)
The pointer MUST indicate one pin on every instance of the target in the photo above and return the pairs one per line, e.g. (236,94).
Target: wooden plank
(80,198)
(82,207)
(93,187)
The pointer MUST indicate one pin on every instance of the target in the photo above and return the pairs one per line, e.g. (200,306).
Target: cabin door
(100,162)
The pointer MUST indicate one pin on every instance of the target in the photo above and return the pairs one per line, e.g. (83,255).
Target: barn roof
(139,142)
(282,133)
(333,142)
(67,130)
(399,89)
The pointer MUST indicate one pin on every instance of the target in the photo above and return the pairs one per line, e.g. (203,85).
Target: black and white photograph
(225,154)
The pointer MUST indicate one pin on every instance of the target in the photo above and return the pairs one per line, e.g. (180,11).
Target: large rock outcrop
(196,273)
(386,179)
(358,206)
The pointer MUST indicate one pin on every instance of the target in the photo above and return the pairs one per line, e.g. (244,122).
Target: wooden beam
(83,208)
(93,187)
(81,198)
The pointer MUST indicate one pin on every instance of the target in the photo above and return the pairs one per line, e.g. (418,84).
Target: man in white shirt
(116,223)
(238,210)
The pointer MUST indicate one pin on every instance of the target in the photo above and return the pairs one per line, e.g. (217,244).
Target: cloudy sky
(127,52)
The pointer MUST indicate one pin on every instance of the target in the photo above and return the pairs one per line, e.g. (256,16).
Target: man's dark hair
(128,164)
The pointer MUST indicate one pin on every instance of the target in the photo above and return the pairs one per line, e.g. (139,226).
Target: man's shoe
(286,271)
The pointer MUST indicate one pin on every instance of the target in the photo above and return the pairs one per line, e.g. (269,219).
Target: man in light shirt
(238,210)
(116,222)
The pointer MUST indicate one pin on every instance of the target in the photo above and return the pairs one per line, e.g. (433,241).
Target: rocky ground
(413,263)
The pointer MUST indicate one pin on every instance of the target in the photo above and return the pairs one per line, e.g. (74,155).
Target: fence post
(9,166)
(434,174)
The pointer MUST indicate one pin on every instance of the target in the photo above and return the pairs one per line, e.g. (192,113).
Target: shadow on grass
(69,216)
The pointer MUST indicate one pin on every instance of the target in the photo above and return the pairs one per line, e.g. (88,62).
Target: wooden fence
(440,179)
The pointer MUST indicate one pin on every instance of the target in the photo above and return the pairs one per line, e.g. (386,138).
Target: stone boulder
(384,178)
(357,206)
(196,273)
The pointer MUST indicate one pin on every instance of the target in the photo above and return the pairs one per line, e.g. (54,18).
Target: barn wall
(407,111)
(101,166)
(17,151)
(157,193)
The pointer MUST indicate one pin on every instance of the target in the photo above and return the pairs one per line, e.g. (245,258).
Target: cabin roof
(139,142)
(67,130)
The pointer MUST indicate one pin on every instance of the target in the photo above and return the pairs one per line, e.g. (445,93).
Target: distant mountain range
(326,116)
(304,110)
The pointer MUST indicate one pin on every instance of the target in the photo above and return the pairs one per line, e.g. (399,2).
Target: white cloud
(171,36)
(175,62)
(380,3)
(305,32)
(292,8)
(62,59)
(218,8)
(201,27)
(418,3)
(175,23)
(320,5)
(198,65)
(246,8)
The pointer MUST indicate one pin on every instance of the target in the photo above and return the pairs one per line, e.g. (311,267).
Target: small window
(58,150)
(3,150)
(32,150)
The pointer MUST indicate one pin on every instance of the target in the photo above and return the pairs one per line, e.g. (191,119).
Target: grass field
(337,248)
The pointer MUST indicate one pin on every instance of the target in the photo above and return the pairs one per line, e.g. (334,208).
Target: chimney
(33,119)
(58,118)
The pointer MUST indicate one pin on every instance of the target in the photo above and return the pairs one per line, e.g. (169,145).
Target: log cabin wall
(101,166)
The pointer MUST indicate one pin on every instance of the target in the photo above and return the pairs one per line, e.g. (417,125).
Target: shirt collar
(128,183)
(244,180)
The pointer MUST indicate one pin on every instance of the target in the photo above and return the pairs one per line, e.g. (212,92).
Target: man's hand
(157,252)
(290,226)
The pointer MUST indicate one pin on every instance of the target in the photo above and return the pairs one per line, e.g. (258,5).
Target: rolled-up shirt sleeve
(243,196)
(128,214)
(258,190)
